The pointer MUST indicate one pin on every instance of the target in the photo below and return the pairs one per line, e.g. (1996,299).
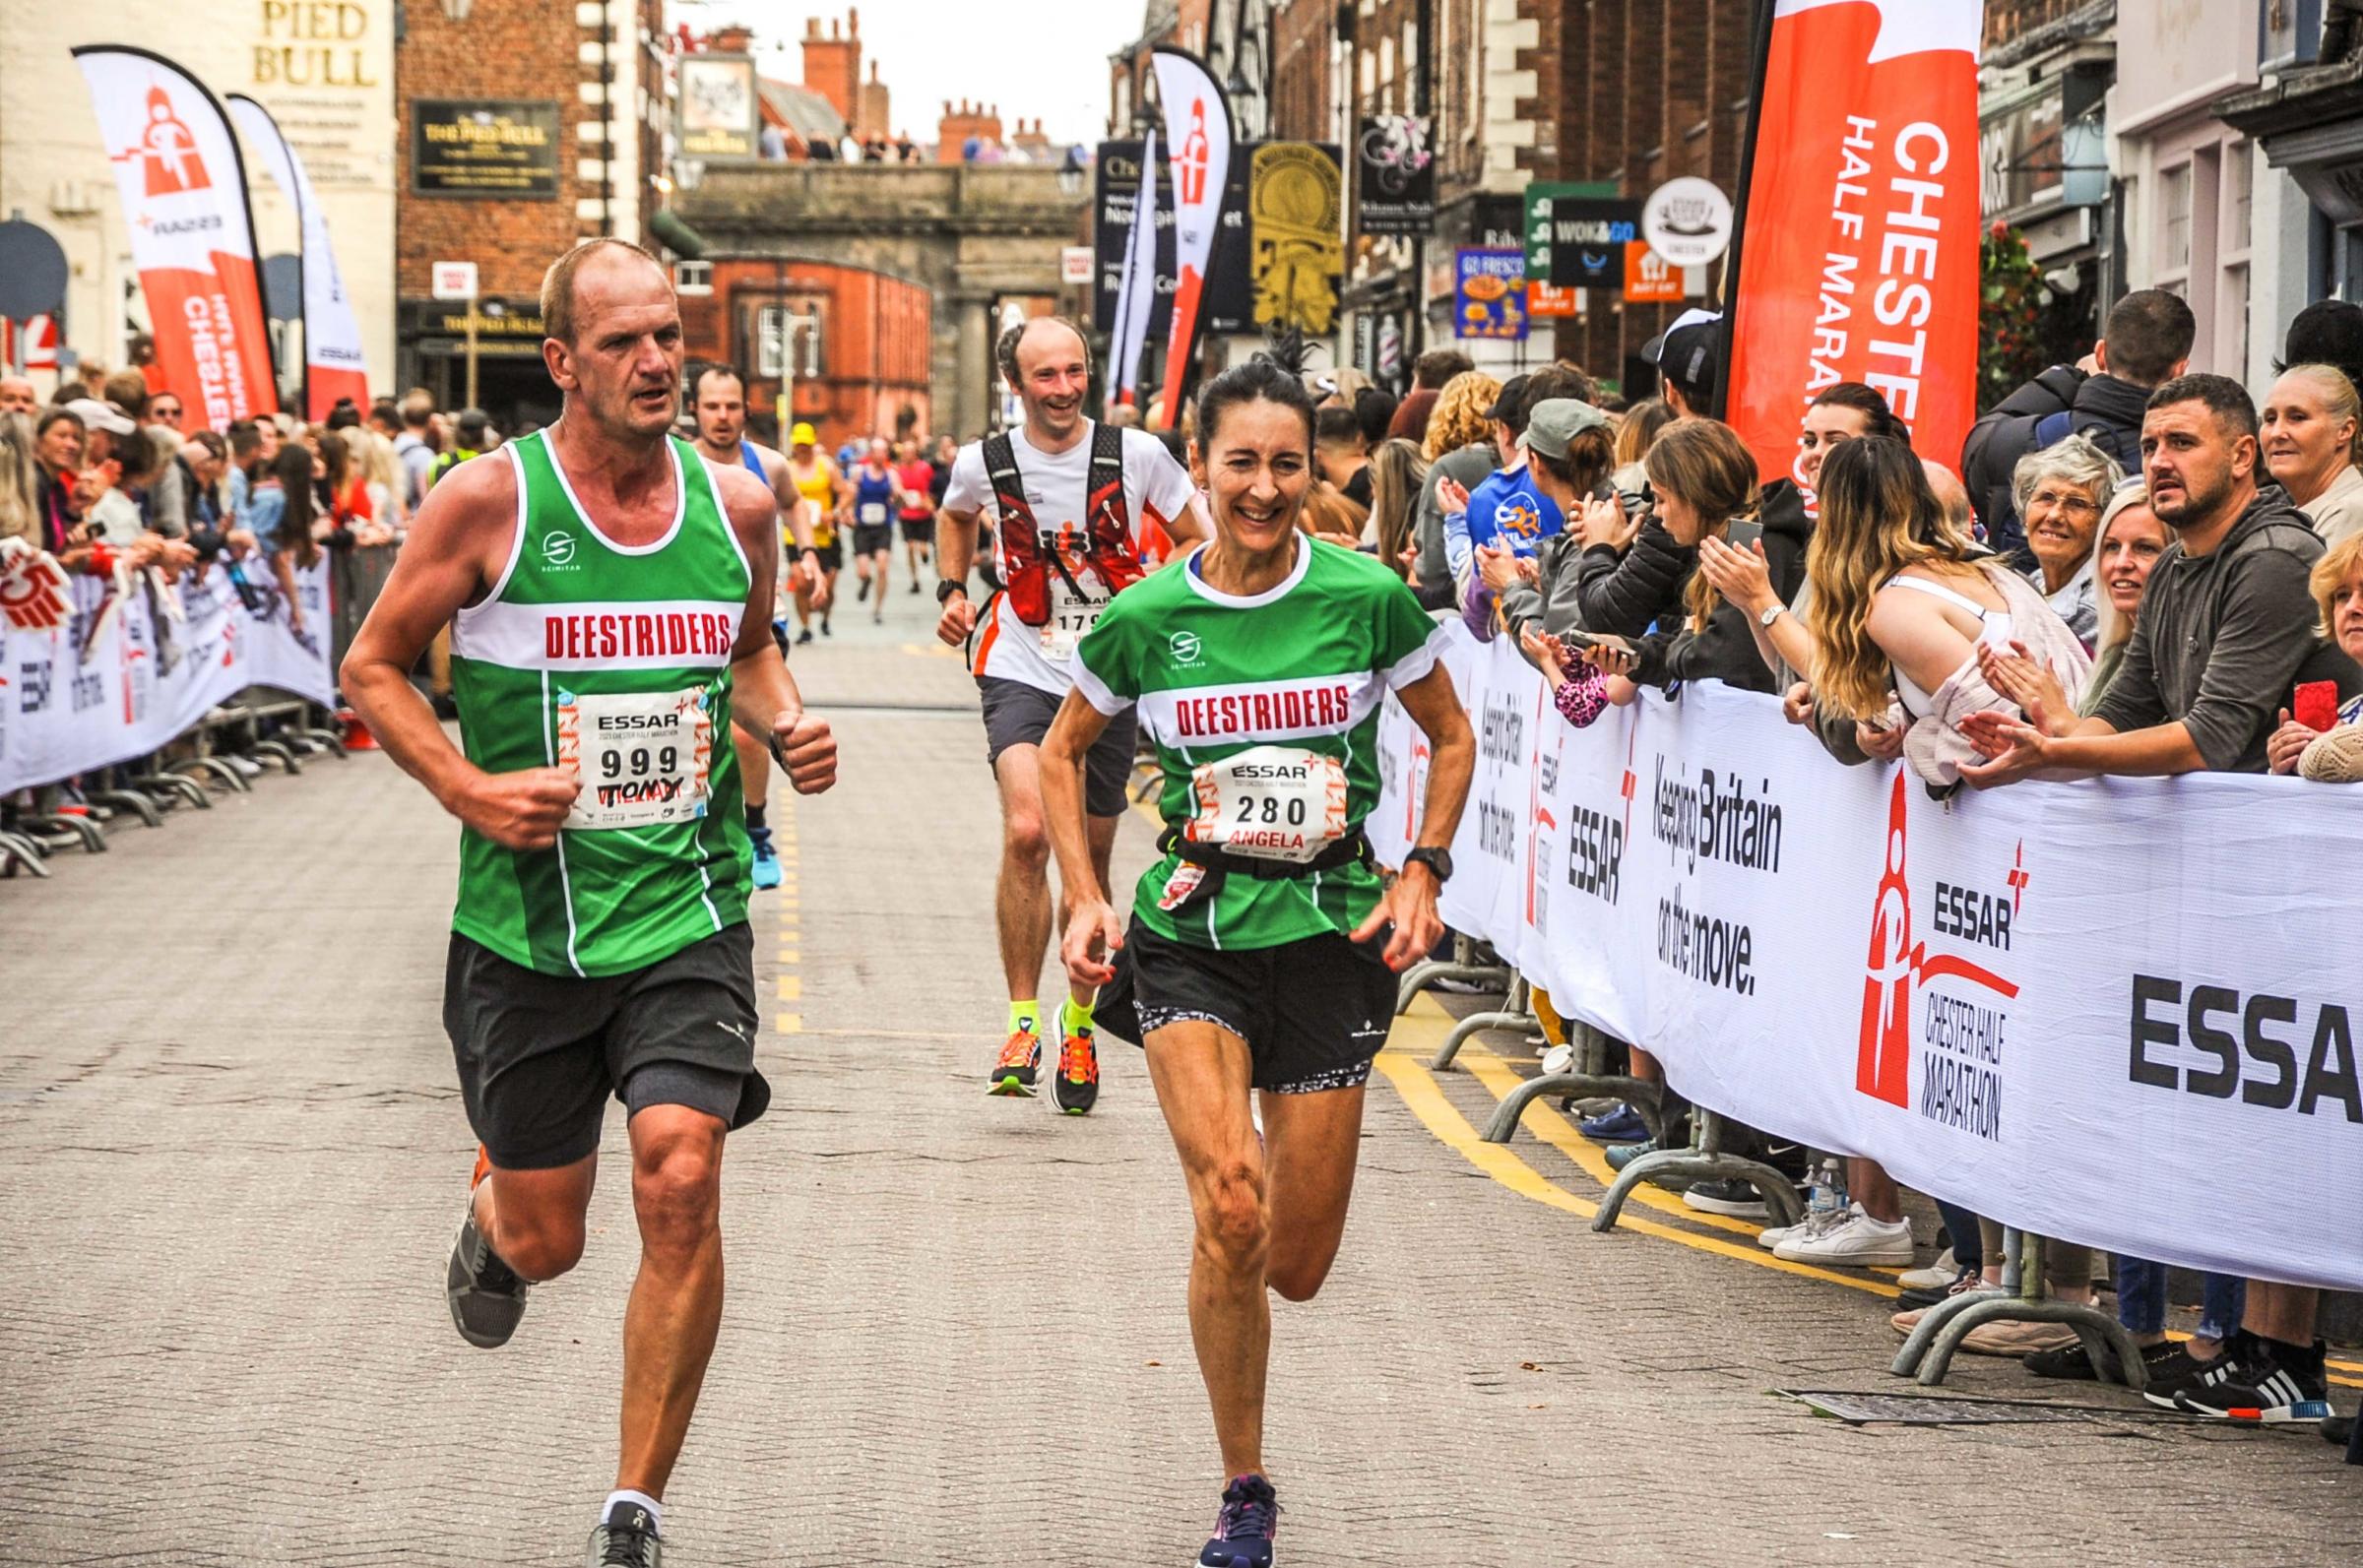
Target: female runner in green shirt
(1263,947)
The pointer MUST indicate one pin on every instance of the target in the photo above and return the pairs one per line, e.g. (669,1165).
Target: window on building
(694,277)
(786,341)
(1369,73)
(2174,224)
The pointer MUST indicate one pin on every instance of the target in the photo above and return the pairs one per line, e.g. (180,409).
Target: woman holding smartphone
(1704,481)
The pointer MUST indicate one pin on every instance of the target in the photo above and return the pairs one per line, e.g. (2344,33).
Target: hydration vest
(1108,527)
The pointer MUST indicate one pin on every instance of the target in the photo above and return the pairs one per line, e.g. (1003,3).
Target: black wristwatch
(946,587)
(1438,861)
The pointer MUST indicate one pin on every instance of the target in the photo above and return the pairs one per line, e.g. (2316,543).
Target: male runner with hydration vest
(1081,509)
(610,594)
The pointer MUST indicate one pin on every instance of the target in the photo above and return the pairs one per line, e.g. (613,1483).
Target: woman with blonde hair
(1397,472)
(374,461)
(1459,446)
(2308,438)
(1898,611)
(20,510)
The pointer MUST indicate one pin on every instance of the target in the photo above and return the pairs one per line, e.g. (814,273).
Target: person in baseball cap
(1688,355)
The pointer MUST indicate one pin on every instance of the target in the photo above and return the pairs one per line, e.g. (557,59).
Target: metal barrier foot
(17,850)
(1471,1026)
(93,837)
(180,785)
(215,769)
(2090,1324)
(1428,971)
(329,741)
(1695,1166)
(279,752)
(139,805)
(1641,1096)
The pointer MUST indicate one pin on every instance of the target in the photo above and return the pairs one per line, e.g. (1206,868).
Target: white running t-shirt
(1157,490)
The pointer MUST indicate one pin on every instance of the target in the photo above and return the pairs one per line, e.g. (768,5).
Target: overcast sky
(1034,59)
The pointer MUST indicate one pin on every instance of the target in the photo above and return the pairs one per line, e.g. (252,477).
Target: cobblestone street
(232,1152)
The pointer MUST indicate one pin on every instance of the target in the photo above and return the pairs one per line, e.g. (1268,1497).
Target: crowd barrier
(129,670)
(2120,1012)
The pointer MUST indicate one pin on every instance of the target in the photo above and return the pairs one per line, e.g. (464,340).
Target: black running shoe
(627,1538)
(1077,1087)
(865,593)
(2259,1389)
(2193,1374)
(804,636)
(2164,1362)
(1244,1530)
(487,1296)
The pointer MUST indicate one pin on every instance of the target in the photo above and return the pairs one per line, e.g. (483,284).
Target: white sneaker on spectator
(1811,1225)
(1935,1276)
(1856,1242)
(243,767)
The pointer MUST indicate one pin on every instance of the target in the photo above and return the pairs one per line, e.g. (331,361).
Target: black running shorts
(539,1054)
(1314,1013)
(831,555)
(1019,714)
(920,530)
(872,537)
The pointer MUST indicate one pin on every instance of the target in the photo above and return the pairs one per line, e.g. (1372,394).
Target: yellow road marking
(931,651)
(789,1023)
(789,955)
(791,988)
(1426,1101)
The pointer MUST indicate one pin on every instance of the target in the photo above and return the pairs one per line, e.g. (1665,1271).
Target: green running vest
(614,660)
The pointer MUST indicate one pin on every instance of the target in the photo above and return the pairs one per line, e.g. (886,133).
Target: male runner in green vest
(610,596)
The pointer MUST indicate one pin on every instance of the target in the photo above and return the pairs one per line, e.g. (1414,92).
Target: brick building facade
(853,345)
(581,105)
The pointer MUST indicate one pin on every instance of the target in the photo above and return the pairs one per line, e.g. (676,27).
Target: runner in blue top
(876,497)
(718,397)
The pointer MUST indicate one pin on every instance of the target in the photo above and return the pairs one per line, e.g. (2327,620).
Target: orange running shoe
(1076,1088)
(1013,1072)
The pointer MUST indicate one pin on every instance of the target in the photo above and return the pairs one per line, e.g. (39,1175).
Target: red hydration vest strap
(1107,529)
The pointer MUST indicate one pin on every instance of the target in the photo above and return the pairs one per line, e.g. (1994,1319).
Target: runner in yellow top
(815,475)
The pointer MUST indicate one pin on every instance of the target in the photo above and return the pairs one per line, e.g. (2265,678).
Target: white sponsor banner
(119,680)
(2120,1012)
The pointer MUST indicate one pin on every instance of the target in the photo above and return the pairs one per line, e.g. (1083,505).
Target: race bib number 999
(1270,802)
(644,757)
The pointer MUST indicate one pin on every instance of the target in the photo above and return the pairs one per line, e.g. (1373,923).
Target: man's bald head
(1024,343)
(598,262)
(1951,495)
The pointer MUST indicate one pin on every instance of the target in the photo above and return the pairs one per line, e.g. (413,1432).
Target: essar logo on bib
(1270,803)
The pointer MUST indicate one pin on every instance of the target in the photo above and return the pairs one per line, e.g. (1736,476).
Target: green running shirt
(616,661)
(1264,712)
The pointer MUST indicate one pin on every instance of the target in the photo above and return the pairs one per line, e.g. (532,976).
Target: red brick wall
(1301,32)
(505,49)
(876,339)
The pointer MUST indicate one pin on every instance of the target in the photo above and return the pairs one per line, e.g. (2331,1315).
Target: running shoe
(804,636)
(1076,1088)
(865,593)
(486,1295)
(2196,1376)
(1622,1155)
(1729,1196)
(915,585)
(1622,1125)
(1856,1241)
(627,1538)
(2257,1388)
(1244,1530)
(1013,1072)
(767,858)
(2164,1362)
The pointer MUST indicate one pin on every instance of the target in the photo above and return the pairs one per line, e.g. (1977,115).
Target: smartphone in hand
(2315,704)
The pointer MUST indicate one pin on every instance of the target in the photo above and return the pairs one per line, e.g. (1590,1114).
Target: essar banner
(1859,245)
(184,204)
(2029,1001)
(332,366)
(130,668)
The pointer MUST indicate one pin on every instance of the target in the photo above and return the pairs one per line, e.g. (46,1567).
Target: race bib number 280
(1271,802)
(644,757)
